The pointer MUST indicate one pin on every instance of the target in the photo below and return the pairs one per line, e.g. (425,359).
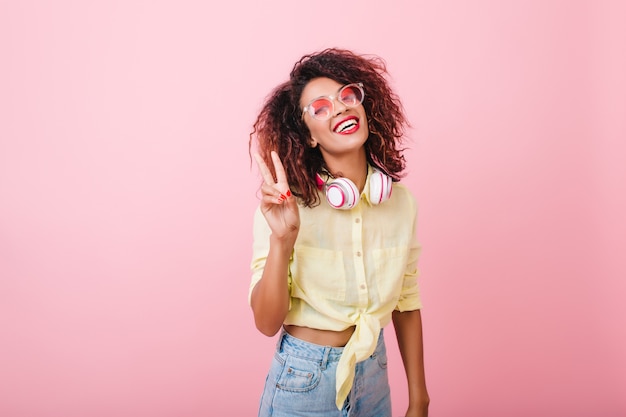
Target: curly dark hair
(279,126)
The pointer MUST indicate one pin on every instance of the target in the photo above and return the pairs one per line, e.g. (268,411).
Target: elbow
(268,321)
(267,324)
(268,329)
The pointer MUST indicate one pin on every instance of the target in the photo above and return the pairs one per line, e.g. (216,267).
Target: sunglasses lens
(351,95)
(321,108)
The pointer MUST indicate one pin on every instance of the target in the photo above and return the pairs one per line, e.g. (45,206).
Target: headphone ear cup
(342,194)
(380,187)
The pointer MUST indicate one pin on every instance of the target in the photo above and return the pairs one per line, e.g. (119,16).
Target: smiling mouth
(346,126)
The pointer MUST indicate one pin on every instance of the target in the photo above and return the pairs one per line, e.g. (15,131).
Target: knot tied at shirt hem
(361,346)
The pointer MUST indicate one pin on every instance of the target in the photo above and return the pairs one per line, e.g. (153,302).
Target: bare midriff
(320,337)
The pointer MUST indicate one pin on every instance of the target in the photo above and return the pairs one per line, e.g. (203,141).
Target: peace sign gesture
(278,205)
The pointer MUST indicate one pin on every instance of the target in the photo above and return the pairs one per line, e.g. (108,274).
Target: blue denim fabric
(301,382)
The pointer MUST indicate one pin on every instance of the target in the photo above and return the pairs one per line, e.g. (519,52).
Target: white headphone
(343,194)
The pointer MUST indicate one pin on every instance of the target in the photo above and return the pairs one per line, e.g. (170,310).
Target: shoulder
(401,187)
(403,193)
(258,214)
(260,227)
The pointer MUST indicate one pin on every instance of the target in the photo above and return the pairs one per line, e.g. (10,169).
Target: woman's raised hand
(278,205)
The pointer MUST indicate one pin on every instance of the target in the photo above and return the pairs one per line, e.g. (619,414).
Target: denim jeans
(301,382)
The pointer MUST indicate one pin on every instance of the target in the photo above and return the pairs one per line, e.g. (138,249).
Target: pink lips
(351,130)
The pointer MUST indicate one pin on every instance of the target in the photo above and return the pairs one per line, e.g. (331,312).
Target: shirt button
(358,254)
(357,220)
(362,286)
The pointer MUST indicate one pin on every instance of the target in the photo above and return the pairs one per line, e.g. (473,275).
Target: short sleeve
(410,295)
(260,248)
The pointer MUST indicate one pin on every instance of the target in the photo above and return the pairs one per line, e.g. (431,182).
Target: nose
(339,107)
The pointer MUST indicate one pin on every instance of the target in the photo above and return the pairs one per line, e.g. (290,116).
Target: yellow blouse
(349,268)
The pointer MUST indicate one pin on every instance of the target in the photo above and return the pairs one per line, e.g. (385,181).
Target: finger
(291,201)
(273,201)
(281,177)
(267,175)
(273,195)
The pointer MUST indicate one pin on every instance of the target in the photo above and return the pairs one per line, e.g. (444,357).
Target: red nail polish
(288,193)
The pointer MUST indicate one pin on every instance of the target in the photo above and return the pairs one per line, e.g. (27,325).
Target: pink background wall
(126,196)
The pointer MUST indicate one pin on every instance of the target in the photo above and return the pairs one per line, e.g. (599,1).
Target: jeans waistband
(306,350)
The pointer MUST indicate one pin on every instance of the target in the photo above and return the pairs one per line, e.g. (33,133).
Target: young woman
(335,250)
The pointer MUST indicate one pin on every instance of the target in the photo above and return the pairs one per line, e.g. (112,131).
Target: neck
(352,166)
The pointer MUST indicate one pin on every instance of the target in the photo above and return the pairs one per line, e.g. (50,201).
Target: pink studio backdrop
(126,197)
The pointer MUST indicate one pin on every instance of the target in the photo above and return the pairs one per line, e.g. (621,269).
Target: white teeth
(346,125)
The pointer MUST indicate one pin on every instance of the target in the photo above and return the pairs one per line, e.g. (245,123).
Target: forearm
(270,296)
(408,327)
